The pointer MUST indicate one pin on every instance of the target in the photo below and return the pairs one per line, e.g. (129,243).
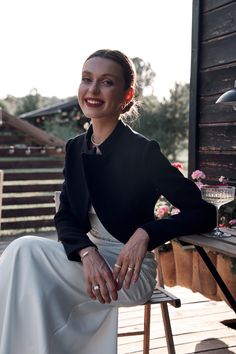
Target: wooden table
(225,246)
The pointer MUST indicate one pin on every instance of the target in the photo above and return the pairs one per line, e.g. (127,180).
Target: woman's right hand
(97,273)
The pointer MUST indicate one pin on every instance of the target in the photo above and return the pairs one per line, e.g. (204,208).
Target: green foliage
(9,104)
(62,130)
(2,105)
(28,103)
(32,101)
(167,121)
(227,212)
(145,76)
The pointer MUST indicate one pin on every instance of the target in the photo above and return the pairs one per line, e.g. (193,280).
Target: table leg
(217,277)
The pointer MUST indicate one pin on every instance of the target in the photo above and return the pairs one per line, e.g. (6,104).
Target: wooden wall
(32,173)
(213,71)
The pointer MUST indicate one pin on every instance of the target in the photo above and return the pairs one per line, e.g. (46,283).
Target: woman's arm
(195,215)
(72,232)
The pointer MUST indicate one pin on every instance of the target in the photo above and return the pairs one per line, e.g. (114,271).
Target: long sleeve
(195,215)
(71,229)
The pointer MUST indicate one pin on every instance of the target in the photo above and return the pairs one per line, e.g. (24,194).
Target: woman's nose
(94,87)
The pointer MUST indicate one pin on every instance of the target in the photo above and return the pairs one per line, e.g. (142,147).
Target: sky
(45,42)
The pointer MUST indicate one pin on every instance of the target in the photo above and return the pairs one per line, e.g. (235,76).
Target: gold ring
(117,266)
(130,269)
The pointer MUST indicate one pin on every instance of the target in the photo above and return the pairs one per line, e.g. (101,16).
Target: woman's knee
(23,244)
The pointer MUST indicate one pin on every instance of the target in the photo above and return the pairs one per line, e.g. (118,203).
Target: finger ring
(130,269)
(96,287)
(117,266)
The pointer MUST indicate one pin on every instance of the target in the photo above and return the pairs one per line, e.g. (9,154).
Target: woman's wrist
(86,251)
(142,234)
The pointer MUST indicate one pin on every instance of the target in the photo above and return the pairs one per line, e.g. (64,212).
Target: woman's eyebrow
(108,74)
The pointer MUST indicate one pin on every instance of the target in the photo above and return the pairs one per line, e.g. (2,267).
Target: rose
(178,165)
(232,222)
(175,211)
(162,211)
(223,180)
(198,175)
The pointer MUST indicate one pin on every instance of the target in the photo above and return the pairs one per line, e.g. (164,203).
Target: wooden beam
(40,136)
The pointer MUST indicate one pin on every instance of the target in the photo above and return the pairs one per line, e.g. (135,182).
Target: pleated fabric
(44,308)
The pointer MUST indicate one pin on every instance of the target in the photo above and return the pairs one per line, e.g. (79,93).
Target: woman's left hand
(129,261)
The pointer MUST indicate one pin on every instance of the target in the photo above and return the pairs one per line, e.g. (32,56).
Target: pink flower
(178,165)
(175,211)
(223,180)
(162,211)
(232,222)
(199,184)
(198,175)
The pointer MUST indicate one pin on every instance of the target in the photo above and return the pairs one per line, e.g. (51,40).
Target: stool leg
(146,335)
(167,327)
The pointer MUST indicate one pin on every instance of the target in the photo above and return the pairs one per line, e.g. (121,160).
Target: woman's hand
(130,259)
(99,281)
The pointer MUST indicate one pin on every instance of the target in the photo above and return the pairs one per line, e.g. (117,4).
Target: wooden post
(193,109)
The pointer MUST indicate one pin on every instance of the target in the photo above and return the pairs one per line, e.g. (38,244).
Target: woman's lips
(93,102)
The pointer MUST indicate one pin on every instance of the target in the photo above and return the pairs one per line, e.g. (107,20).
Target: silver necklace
(93,142)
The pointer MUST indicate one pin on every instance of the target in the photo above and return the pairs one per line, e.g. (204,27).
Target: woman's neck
(102,130)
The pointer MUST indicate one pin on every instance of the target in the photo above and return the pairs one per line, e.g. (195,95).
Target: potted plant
(183,255)
(203,281)
(166,257)
(175,261)
(226,266)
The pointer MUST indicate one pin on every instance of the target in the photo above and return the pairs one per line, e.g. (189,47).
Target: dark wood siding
(213,127)
(32,174)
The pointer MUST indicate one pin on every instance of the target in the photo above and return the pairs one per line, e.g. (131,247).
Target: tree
(29,102)
(32,101)
(2,105)
(167,121)
(145,75)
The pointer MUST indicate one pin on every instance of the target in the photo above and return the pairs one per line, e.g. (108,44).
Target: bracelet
(84,255)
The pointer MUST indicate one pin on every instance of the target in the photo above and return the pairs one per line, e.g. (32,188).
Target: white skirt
(44,308)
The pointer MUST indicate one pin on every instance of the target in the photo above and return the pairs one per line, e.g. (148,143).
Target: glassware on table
(218,195)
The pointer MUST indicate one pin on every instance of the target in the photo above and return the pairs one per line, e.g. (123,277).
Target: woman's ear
(129,95)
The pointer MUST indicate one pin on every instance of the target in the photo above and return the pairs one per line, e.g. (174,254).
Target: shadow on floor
(210,343)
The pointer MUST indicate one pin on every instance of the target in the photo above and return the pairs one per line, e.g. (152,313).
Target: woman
(62,297)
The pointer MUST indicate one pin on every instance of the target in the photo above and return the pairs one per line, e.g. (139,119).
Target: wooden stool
(162,297)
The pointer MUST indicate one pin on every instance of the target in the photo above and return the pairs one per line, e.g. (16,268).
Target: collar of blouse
(109,144)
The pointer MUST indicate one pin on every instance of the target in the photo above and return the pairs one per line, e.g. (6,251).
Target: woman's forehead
(103,66)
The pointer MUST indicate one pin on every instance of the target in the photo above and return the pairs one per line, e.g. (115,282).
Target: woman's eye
(107,82)
(86,79)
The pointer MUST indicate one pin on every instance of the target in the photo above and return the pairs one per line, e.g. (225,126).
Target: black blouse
(123,183)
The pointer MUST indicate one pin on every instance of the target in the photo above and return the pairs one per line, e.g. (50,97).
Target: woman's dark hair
(128,71)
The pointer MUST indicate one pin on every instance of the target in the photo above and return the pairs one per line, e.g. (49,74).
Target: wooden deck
(198,325)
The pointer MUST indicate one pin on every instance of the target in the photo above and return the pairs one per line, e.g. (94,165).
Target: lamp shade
(229,97)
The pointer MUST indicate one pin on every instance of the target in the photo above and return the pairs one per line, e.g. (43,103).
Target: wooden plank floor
(197,325)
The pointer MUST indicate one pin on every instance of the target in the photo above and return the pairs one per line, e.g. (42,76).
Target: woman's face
(101,92)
